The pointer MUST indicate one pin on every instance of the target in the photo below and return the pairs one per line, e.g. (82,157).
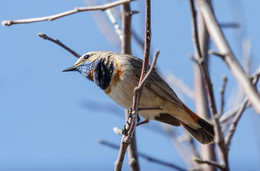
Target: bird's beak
(70,69)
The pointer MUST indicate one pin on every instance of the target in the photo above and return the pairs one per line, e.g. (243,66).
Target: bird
(118,75)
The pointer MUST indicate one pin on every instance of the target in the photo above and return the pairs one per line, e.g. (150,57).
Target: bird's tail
(205,133)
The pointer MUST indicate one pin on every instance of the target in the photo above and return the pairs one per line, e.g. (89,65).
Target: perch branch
(137,94)
(66,13)
(126,139)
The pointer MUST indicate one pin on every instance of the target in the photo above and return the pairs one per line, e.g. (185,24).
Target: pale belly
(123,94)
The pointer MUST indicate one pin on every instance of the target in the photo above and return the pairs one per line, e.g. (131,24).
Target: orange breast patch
(116,78)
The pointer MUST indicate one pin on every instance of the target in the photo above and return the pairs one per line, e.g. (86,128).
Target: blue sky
(47,120)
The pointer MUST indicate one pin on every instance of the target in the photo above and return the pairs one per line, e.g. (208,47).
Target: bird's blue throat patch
(102,73)
(85,68)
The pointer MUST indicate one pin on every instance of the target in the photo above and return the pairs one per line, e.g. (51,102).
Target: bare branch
(56,41)
(147,40)
(104,25)
(114,22)
(239,114)
(207,152)
(212,163)
(201,60)
(126,29)
(142,155)
(66,13)
(235,122)
(219,138)
(223,47)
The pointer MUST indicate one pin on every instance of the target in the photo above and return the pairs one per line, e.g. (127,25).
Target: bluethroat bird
(118,74)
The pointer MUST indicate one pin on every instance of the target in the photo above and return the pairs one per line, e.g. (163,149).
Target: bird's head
(86,63)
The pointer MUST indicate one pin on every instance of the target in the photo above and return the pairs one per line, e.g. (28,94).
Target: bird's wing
(156,84)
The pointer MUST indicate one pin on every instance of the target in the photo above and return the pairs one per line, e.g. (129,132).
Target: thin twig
(147,40)
(212,163)
(149,71)
(66,13)
(235,122)
(56,41)
(142,155)
(104,25)
(114,22)
(222,94)
(239,113)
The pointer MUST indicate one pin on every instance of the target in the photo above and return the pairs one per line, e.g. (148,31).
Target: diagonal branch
(211,163)
(229,58)
(58,42)
(66,13)
(239,114)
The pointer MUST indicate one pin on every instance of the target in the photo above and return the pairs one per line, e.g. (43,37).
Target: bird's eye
(86,56)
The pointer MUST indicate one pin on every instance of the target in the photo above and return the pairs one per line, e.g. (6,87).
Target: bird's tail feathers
(205,133)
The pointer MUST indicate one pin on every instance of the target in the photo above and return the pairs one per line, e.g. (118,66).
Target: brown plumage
(118,74)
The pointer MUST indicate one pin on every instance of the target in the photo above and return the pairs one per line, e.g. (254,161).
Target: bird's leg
(142,109)
(143,122)
(138,118)
(140,123)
